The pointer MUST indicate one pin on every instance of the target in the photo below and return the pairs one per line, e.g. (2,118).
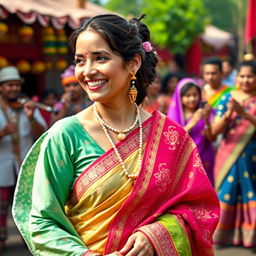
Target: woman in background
(235,167)
(195,116)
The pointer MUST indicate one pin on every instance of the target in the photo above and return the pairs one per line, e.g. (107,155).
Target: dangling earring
(133,90)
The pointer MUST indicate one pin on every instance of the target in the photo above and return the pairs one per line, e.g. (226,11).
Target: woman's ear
(135,63)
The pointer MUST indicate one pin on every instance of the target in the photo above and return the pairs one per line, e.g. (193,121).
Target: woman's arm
(40,201)
(194,120)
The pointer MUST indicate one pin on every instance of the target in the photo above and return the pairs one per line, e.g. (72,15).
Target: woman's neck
(188,113)
(120,116)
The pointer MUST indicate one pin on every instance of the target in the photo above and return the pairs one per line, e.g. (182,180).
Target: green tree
(126,7)
(223,14)
(175,23)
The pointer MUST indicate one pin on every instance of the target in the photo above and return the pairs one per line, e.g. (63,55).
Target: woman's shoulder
(63,126)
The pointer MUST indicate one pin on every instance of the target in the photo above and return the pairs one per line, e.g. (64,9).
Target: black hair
(250,63)
(187,86)
(48,92)
(230,61)
(213,61)
(166,79)
(125,39)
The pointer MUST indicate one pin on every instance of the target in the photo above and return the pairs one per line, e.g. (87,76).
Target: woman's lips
(96,85)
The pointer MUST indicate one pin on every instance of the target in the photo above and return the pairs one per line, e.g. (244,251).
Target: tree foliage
(126,7)
(223,14)
(175,23)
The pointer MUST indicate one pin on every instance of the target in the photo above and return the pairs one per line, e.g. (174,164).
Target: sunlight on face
(101,72)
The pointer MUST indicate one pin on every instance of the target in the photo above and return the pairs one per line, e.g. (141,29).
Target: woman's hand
(137,245)
(235,106)
(197,116)
(207,111)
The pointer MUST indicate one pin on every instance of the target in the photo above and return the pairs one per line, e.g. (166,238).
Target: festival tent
(34,37)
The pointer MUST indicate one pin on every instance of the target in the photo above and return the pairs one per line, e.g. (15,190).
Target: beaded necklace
(121,134)
(104,128)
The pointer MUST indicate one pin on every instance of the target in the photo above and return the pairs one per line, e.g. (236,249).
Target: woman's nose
(89,70)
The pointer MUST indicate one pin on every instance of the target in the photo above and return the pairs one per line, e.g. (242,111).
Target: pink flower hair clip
(147,46)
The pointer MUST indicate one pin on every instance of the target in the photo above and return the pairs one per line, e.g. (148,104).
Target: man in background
(20,125)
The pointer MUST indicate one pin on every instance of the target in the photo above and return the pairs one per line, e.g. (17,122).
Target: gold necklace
(104,128)
(121,134)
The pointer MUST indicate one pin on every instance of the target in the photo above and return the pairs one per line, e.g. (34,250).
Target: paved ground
(15,246)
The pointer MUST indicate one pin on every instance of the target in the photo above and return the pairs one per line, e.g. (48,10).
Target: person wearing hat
(73,99)
(19,126)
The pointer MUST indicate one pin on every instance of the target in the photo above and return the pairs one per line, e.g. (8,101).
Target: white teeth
(95,83)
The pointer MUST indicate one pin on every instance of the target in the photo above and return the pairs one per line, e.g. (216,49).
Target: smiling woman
(102,182)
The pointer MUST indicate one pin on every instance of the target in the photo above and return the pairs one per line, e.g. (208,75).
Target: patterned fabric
(235,174)
(214,100)
(171,181)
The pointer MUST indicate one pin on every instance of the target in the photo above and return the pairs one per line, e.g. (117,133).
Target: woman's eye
(78,61)
(102,58)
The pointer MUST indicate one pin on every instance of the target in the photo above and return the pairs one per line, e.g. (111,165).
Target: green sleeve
(168,236)
(44,186)
(177,233)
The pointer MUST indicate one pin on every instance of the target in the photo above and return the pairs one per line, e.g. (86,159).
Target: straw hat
(10,73)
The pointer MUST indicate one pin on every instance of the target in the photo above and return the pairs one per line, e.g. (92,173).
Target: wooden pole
(81,3)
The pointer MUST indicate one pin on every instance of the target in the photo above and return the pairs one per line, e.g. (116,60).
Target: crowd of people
(130,161)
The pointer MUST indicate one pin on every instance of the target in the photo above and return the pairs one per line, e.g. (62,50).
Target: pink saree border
(106,162)
(160,239)
(140,186)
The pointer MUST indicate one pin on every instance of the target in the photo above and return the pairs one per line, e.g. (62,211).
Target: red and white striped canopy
(58,13)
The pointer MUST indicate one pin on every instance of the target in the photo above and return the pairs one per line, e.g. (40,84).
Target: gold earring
(133,92)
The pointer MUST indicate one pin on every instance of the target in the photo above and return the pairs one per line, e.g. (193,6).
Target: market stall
(33,37)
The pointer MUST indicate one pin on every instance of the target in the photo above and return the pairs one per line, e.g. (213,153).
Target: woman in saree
(195,116)
(114,179)
(235,166)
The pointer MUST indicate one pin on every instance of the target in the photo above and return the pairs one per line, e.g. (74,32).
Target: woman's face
(101,73)
(191,98)
(246,79)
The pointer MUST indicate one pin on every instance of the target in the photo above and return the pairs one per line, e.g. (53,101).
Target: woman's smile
(95,85)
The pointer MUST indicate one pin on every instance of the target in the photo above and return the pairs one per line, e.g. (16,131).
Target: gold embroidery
(161,239)
(198,164)
(142,182)
(203,213)
(138,217)
(107,162)
(163,178)
(172,137)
